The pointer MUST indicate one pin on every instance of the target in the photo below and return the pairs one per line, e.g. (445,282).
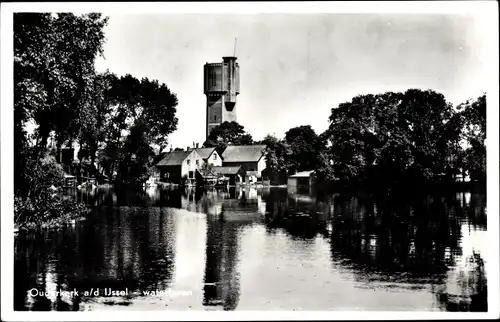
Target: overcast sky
(295,68)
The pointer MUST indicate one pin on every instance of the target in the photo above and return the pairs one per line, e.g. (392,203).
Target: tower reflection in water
(229,211)
(131,240)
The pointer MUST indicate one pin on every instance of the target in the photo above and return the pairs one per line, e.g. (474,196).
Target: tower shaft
(221,86)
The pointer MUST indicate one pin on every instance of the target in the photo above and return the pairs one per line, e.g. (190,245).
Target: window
(215,118)
(191,174)
(197,162)
(215,156)
(188,162)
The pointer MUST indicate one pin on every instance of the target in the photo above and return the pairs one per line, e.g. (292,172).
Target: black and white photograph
(249,160)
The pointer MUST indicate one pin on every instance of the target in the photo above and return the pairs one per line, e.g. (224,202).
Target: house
(249,157)
(179,166)
(232,174)
(303,179)
(210,156)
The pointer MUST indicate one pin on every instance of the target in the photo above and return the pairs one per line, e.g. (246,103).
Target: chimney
(187,148)
(171,149)
(197,145)
(194,145)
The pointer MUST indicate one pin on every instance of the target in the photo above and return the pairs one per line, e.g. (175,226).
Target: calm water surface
(258,249)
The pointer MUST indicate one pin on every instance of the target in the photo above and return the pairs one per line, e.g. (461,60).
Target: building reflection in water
(221,281)
(301,215)
(129,241)
(228,212)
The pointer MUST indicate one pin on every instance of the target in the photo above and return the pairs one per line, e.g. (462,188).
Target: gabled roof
(227,170)
(205,152)
(243,153)
(174,158)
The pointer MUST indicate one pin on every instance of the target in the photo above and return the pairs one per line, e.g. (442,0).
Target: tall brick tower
(221,86)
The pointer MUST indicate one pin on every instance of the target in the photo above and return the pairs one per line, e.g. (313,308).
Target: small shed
(303,179)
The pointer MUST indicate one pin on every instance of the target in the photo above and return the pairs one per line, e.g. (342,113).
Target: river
(258,249)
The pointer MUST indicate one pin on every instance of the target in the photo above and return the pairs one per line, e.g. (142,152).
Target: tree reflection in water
(129,240)
(414,241)
(115,248)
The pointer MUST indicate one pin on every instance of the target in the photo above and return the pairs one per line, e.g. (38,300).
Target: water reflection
(221,280)
(256,244)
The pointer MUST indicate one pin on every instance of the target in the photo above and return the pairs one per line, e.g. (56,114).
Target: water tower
(221,86)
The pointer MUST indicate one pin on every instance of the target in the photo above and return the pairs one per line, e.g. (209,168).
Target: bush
(46,209)
(38,203)
(42,174)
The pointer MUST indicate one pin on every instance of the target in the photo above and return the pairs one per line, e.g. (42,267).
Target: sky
(294,68)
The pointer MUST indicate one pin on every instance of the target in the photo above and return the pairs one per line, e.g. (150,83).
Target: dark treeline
(385,140)
(415,137)
(114,120)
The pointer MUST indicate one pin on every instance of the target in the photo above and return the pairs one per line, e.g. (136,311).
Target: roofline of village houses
(253,166)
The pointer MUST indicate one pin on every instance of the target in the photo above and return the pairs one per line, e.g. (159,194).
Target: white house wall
(261,165)
(192,166)
(217,162)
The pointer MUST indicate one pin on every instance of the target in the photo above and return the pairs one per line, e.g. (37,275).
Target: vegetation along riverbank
(385,142)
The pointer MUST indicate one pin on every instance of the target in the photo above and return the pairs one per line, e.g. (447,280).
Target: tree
(473,117)
(304,146)
(324,168)
(134,169)
(98,120)
(114,119)
(140,114)
(387,147)
(277,164)
(159,105)
(390,138)
(423,116)
(456,157)
(350,124)
(54,58)
(228,133)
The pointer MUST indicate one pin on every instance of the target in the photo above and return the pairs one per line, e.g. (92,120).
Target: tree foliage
(137,114)
(472,115)
(54,58)
(228,133)
(38,201)
(115,120)
(304,145)
(392,138)
(277,163)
